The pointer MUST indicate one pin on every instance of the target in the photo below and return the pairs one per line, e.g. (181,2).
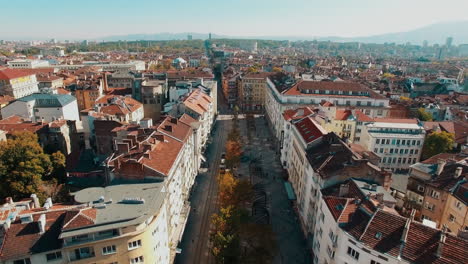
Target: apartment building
(153,98)
(436,191)
(230,86)
(398,142)
(27,64)
(315,159)
(44,107)
(87,92)
(115,224)
(252,90)
(168,152)
(284,93)
(357,224)
(17,83)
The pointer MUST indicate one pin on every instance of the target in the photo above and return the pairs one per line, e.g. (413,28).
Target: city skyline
(95,20)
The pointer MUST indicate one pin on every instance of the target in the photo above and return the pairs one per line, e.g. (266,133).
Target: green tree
(23,164)
(437,142)
(423,115)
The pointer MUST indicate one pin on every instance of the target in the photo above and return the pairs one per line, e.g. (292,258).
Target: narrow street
(195,241)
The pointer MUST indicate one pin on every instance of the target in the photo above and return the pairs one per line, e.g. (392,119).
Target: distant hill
(435,33)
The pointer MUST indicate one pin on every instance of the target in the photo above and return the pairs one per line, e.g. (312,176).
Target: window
(22,261)
(420,188)
(134,244)
(451,218)
(434,194)
(458,205)
(429,206)
(136,260)
(330,252)
(109,250)
(374,262)
(54,256)
(377,141)
(353,253)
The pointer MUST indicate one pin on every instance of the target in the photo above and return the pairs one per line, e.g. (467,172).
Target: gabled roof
(309,129)
(8,73)
(21,240)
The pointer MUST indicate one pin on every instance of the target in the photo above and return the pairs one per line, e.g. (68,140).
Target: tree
(227,184)
(233,153)
(423,115)
(23,164)
(438,142)
(277,69)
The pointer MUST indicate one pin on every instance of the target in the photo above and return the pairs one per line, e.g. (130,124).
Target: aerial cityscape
(211,132)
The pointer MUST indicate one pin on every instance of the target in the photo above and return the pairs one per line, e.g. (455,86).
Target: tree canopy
(423,115)
(438,142)
(23,165)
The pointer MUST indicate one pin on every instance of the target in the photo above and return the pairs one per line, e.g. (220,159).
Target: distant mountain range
(435,33)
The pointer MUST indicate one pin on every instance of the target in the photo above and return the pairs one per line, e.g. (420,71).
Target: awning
(290,191)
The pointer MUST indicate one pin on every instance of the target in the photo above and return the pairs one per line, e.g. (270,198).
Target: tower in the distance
(209,36)
(448,42)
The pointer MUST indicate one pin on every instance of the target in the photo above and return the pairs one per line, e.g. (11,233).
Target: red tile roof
(301,88)
(8,74)
(16,123)
(22,240)
(309,129)
(198,102)
(342,114)
(295,114)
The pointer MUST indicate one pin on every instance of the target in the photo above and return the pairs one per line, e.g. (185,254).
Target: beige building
(252,90)
(116,224)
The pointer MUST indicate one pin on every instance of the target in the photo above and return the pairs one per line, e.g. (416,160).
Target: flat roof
(123,205)
(395,125)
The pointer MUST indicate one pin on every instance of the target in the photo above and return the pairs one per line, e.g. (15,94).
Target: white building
(284,94)
(28,64)
(44,107)
(134,65)
(398,142)
(357,224)
(17,83)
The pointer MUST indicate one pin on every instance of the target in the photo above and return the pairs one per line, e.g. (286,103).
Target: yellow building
(252,90)
(116,224)
(343,124)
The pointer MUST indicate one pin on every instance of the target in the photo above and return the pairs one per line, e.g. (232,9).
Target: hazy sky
(67,19)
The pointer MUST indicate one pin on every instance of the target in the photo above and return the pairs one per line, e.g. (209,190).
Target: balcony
(76,240)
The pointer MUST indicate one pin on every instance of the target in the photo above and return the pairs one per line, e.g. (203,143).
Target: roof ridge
(368,224)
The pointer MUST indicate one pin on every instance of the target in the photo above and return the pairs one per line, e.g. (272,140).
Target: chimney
(9,200)
(159,137)
(41,222)
(35,200)
(48,203)
(440,246)
(7,225)
(404,235)
(122,148)
(147,147)
(344,189)
(458,172)
(440,166)
(168,128)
